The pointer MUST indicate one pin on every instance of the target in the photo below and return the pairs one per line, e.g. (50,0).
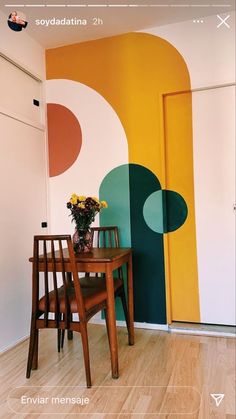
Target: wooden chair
(104,237)
(55,300)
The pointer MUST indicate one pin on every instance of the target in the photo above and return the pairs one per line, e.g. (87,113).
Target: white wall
(23,49)
(23,198)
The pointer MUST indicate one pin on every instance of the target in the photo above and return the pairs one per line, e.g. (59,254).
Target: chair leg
(124,305)
(62,334)
(31,347)
(69,333)
(62,337)
(59,333)
(84,337)
(36,346)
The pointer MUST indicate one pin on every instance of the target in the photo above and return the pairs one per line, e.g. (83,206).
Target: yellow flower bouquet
(83,211)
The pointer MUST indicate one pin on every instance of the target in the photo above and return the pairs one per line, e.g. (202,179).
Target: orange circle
(64,138)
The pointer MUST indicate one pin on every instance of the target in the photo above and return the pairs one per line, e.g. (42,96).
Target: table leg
(130,300)
(112,322)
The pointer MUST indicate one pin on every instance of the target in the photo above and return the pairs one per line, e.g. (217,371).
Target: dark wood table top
(109,254)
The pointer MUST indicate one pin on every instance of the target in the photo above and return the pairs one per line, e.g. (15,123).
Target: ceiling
(106,18)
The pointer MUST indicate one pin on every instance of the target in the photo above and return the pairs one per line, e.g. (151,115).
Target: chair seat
(96,282)
(93,295)
(92,282)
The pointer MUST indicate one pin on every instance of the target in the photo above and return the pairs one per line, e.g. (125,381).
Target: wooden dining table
(107,260)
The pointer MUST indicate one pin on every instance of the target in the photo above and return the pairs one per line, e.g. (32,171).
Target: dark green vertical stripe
(148,259)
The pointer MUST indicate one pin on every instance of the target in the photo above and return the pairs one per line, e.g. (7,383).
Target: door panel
(18,90)
(23,208)
(202,267)
(23,197)
(214,174)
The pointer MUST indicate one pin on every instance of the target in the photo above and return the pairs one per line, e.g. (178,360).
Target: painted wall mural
(115,89)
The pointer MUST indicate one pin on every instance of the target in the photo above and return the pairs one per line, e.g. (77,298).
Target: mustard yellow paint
(132,72)
(179,177)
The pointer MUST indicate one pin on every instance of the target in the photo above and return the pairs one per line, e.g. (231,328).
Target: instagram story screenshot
(117,133)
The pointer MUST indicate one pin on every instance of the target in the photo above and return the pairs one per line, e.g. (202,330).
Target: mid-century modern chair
(104,237)
(49,280)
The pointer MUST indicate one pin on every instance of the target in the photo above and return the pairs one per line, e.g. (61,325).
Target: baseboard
(167,328)
(13,344)
(138,325)
(201,332)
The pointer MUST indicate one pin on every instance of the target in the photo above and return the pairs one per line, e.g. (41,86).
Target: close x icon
(223,21)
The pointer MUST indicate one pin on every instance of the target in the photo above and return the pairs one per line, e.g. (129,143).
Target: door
(214,183)
(207,119)
(23,198)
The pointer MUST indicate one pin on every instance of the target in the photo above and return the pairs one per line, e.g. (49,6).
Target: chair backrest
(53,259)
(105,236)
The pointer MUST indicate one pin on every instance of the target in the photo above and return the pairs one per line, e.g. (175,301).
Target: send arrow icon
(218,398)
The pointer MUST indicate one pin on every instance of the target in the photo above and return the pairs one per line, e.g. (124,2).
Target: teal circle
(165,211)
(153,212)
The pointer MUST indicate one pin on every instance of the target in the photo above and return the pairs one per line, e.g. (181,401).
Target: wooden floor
(164,375)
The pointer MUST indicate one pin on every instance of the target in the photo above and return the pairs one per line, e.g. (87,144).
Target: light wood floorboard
(164,375)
